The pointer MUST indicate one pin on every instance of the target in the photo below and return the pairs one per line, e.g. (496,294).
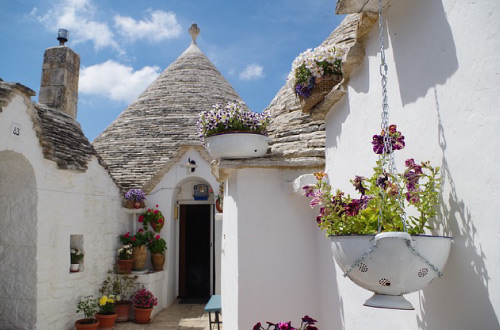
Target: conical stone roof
(148,134)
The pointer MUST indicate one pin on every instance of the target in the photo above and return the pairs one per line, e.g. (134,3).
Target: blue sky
(124,45)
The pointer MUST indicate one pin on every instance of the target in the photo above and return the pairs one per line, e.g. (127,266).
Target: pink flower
(157,236)
(140,231)
(155,211)
(160,220)
(133,239)
(141,218)
(156,205)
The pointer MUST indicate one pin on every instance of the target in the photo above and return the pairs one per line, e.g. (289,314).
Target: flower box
(237,145)
(322,87)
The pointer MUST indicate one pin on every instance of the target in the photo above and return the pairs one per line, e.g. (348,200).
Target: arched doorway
(195,243)
(18,237)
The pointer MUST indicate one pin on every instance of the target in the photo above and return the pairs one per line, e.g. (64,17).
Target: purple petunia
(396,140)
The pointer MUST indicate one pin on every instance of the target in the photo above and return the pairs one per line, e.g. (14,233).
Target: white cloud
(77,16)
(252,71)
(116,81)
(159,26)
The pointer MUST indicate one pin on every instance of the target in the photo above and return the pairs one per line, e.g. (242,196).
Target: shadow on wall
(424,50)
(460,300)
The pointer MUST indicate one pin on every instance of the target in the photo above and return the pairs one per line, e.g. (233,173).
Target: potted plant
(139,249)
(157,246)
(88,306)
(122,287)
(314,73)
(134,199)
(143,301)
(233,131)
(372,234)
(106,314)
(76,258)
(125,261)
(307,323)
(152,217)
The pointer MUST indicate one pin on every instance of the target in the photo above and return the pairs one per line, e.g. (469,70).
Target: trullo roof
(148,134)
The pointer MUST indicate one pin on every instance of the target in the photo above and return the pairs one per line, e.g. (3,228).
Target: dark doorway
(194,251)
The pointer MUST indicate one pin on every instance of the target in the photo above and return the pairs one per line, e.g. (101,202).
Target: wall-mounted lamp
(190,166)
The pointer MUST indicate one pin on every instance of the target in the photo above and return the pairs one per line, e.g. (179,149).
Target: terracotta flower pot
(142,315)
(106,321)
(218,206)
(122,309)
(125,266)
(158,260)
(139,254)
(134,205)
(85,325)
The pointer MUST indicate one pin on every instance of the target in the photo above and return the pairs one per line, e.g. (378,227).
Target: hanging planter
(391,264)
(374,242)
(314,73)
(231,131)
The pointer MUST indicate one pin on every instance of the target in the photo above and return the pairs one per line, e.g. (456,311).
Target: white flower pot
(74,267)
(391,264)
(237,145)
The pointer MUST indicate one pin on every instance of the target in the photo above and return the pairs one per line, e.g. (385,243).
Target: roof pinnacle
(194,30)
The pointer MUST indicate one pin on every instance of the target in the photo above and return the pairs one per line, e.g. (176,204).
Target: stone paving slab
(175,317)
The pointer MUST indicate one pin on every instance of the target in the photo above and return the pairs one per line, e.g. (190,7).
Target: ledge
(357,6)
(223,168)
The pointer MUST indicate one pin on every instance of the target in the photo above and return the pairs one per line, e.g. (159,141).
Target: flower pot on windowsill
(125,266)
(237,145)
(157,260)
(391,264)
(74,268)
(139,255)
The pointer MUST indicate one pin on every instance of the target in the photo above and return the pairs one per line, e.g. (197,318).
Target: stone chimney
(60,72)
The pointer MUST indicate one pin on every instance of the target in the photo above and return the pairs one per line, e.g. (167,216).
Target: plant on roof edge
(231,117)
(311,66)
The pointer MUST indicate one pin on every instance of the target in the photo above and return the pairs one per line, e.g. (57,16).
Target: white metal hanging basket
(391,264)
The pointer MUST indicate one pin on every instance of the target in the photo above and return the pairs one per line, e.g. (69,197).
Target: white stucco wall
(269,251)
(67,203)
(177,185)
(443,84)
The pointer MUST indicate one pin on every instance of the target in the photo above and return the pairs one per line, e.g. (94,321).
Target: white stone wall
(18,279)
(443,95)
(67,203)
(269,251)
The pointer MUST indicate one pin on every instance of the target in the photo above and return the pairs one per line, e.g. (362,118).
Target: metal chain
(415,252)
(387,155)
(363,257)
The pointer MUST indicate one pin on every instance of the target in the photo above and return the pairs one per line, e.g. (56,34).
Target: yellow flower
(103,300)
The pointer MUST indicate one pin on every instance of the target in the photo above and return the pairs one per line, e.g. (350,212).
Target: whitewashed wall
(177,184)
(270,258)
(444,76)
(65,203)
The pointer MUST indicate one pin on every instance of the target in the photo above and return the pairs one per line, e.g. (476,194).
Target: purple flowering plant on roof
(418,187)
(231,117)
(307,323)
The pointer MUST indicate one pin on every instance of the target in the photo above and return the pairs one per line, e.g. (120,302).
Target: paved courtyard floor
(176,317)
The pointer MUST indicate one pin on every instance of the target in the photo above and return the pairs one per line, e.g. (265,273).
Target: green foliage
(121,286)
(157,245)
(88,306)
(380,194)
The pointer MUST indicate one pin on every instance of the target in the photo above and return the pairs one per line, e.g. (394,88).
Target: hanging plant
(380,194)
